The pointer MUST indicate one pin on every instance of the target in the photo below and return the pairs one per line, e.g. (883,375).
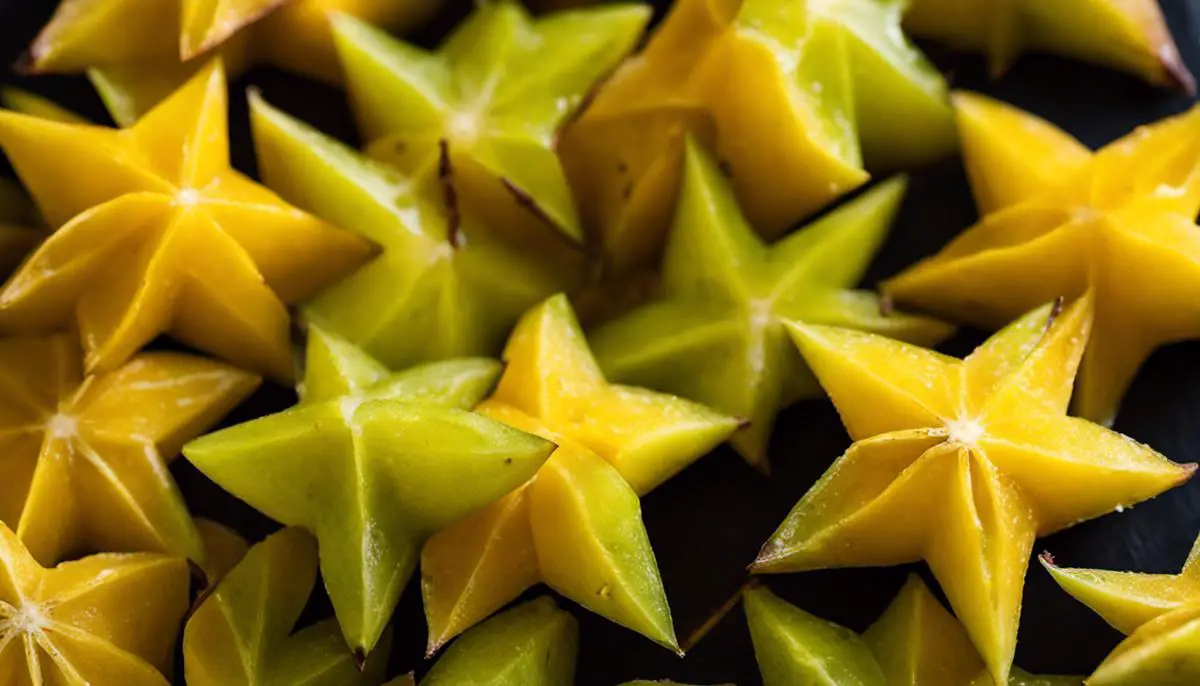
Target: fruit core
(965,431)
(61,426)
(187,197)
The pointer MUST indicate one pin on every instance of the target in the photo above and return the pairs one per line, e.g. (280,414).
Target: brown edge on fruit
(1047,559)
(207,588)
(360,659)
(1175,72)
(714,618)
(445,173)
(525,200)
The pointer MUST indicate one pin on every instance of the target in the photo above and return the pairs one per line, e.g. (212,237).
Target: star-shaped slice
(916,642)
(1061,221)
(717,334)
(1130,35)
(444,286)
(135,60)
(242,632)
(577,525)
(1159,612)
(372,463)
(961,463)
(769,83)
(83,459)
(488,103)
(155,233)
(534,643)
(105,619)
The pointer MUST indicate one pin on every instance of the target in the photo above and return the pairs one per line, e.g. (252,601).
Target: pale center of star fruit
(61,426)
(28,619)
(464,126)
(966,431)
(187,197)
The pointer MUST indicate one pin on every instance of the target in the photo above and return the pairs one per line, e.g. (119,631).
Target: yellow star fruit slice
(771,85)
(717,335)
(83,458)
(104,619)
(135,59)
(242,633)
(1160,613)
(1060,222)
(533,644)
(492,96)
(1130,35)
(155,233)
(372,463)
(577,525)
(961,464)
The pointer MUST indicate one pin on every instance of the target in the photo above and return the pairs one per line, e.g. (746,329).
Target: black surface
(709,522)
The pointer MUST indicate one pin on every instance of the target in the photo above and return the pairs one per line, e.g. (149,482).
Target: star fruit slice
(104,619)
(717,335)
(533,644)
(492,96)
(1160,613)
(990,435)
(373,464)
(83,458)
(1067,222)
(576,526)
(134,63)
(916,642)
(18,222)
(242,633)
(1129,35)
(795,150)
(155,233)
(443,286)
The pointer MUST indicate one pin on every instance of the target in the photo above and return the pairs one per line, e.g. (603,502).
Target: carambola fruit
(533,644)
(372,463)
(83,458)
(771,85)
(961,463)
(916,642)
(717,336)
(1059,221)
(104,619)
(241,634)
(1129,35)
(155,233)
(483,110)
(135,59)
(1160,613)
(577,525)
(441,286)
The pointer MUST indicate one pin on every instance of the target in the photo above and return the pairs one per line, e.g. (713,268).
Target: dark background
(708,523)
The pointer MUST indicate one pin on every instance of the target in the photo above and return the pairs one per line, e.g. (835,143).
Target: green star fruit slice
(242,633)
(533,644)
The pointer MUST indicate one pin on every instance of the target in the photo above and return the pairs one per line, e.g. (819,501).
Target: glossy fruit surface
(916,642)
(372,463)
(533,644)
(242,633)
(1061,221)
(717,336)
(1160,613)
(577,525)
(444,285)
(990,436)
(83,459)
(483,110)
(155,233)
(1129,35)
(104,619)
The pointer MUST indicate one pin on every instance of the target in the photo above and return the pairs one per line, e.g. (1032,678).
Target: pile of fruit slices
(529,174)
